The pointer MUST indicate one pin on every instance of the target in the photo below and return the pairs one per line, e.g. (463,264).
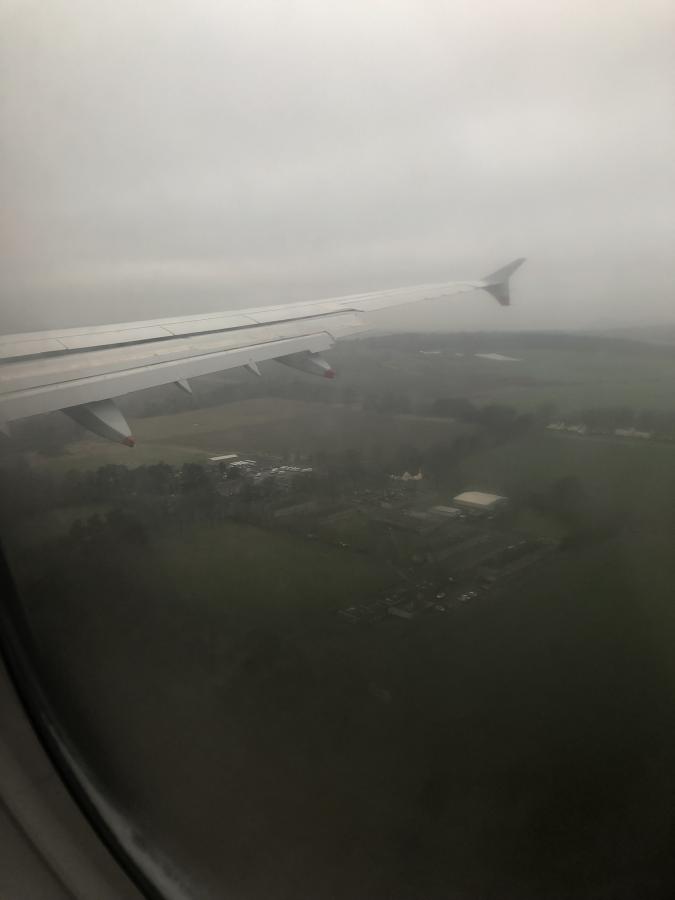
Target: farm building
(477,501)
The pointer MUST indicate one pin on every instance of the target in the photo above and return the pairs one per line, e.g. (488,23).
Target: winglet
(497,283)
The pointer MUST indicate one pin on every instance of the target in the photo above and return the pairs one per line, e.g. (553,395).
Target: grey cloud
(214,154)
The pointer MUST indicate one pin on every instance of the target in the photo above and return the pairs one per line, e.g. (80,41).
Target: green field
(268,427)
(92,453)
(642,377)
(525,741)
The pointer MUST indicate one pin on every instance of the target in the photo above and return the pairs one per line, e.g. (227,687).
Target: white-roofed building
(479,501)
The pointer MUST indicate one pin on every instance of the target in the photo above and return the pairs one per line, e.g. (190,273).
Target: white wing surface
(81,370)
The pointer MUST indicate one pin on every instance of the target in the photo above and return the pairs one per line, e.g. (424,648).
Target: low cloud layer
(165,157)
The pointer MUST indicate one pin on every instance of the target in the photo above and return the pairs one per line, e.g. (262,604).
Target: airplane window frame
(22,666)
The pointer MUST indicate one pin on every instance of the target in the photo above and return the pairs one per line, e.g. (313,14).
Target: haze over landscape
(403,634)
(156,163)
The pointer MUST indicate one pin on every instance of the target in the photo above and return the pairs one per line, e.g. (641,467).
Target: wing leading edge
(81,370)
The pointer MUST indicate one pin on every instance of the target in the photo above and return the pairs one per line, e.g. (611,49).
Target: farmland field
(497,746)
(266,425)
(638,475)
(576,375)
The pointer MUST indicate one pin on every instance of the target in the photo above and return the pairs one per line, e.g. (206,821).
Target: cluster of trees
(118,526)
(142,501)
(150,491)
(26,491)
(112,482)
(496,418)
(585,518)
(339,471)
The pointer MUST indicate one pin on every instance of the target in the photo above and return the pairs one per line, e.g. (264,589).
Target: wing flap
(113,338)
(27,373)
(206,325)
(17,346)
(105,385)
(42,384)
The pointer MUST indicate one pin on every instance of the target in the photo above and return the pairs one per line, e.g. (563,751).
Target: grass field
(91,453)
(268,426)
(278,427)
(518,748)
(571,379)
(575,381)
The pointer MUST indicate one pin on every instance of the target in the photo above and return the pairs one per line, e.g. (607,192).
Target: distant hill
(652,334)
(629,341)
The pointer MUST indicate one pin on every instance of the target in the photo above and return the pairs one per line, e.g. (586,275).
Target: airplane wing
(81,370)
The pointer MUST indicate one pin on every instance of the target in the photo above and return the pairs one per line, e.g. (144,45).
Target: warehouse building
(479,502)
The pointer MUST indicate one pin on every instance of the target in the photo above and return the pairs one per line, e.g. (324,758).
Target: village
(443,555)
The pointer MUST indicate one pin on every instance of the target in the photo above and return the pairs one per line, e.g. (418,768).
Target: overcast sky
(165,157)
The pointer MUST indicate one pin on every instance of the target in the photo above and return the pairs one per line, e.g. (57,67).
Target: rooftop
(478,499)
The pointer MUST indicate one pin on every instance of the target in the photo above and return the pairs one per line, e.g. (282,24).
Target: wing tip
(497,282)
